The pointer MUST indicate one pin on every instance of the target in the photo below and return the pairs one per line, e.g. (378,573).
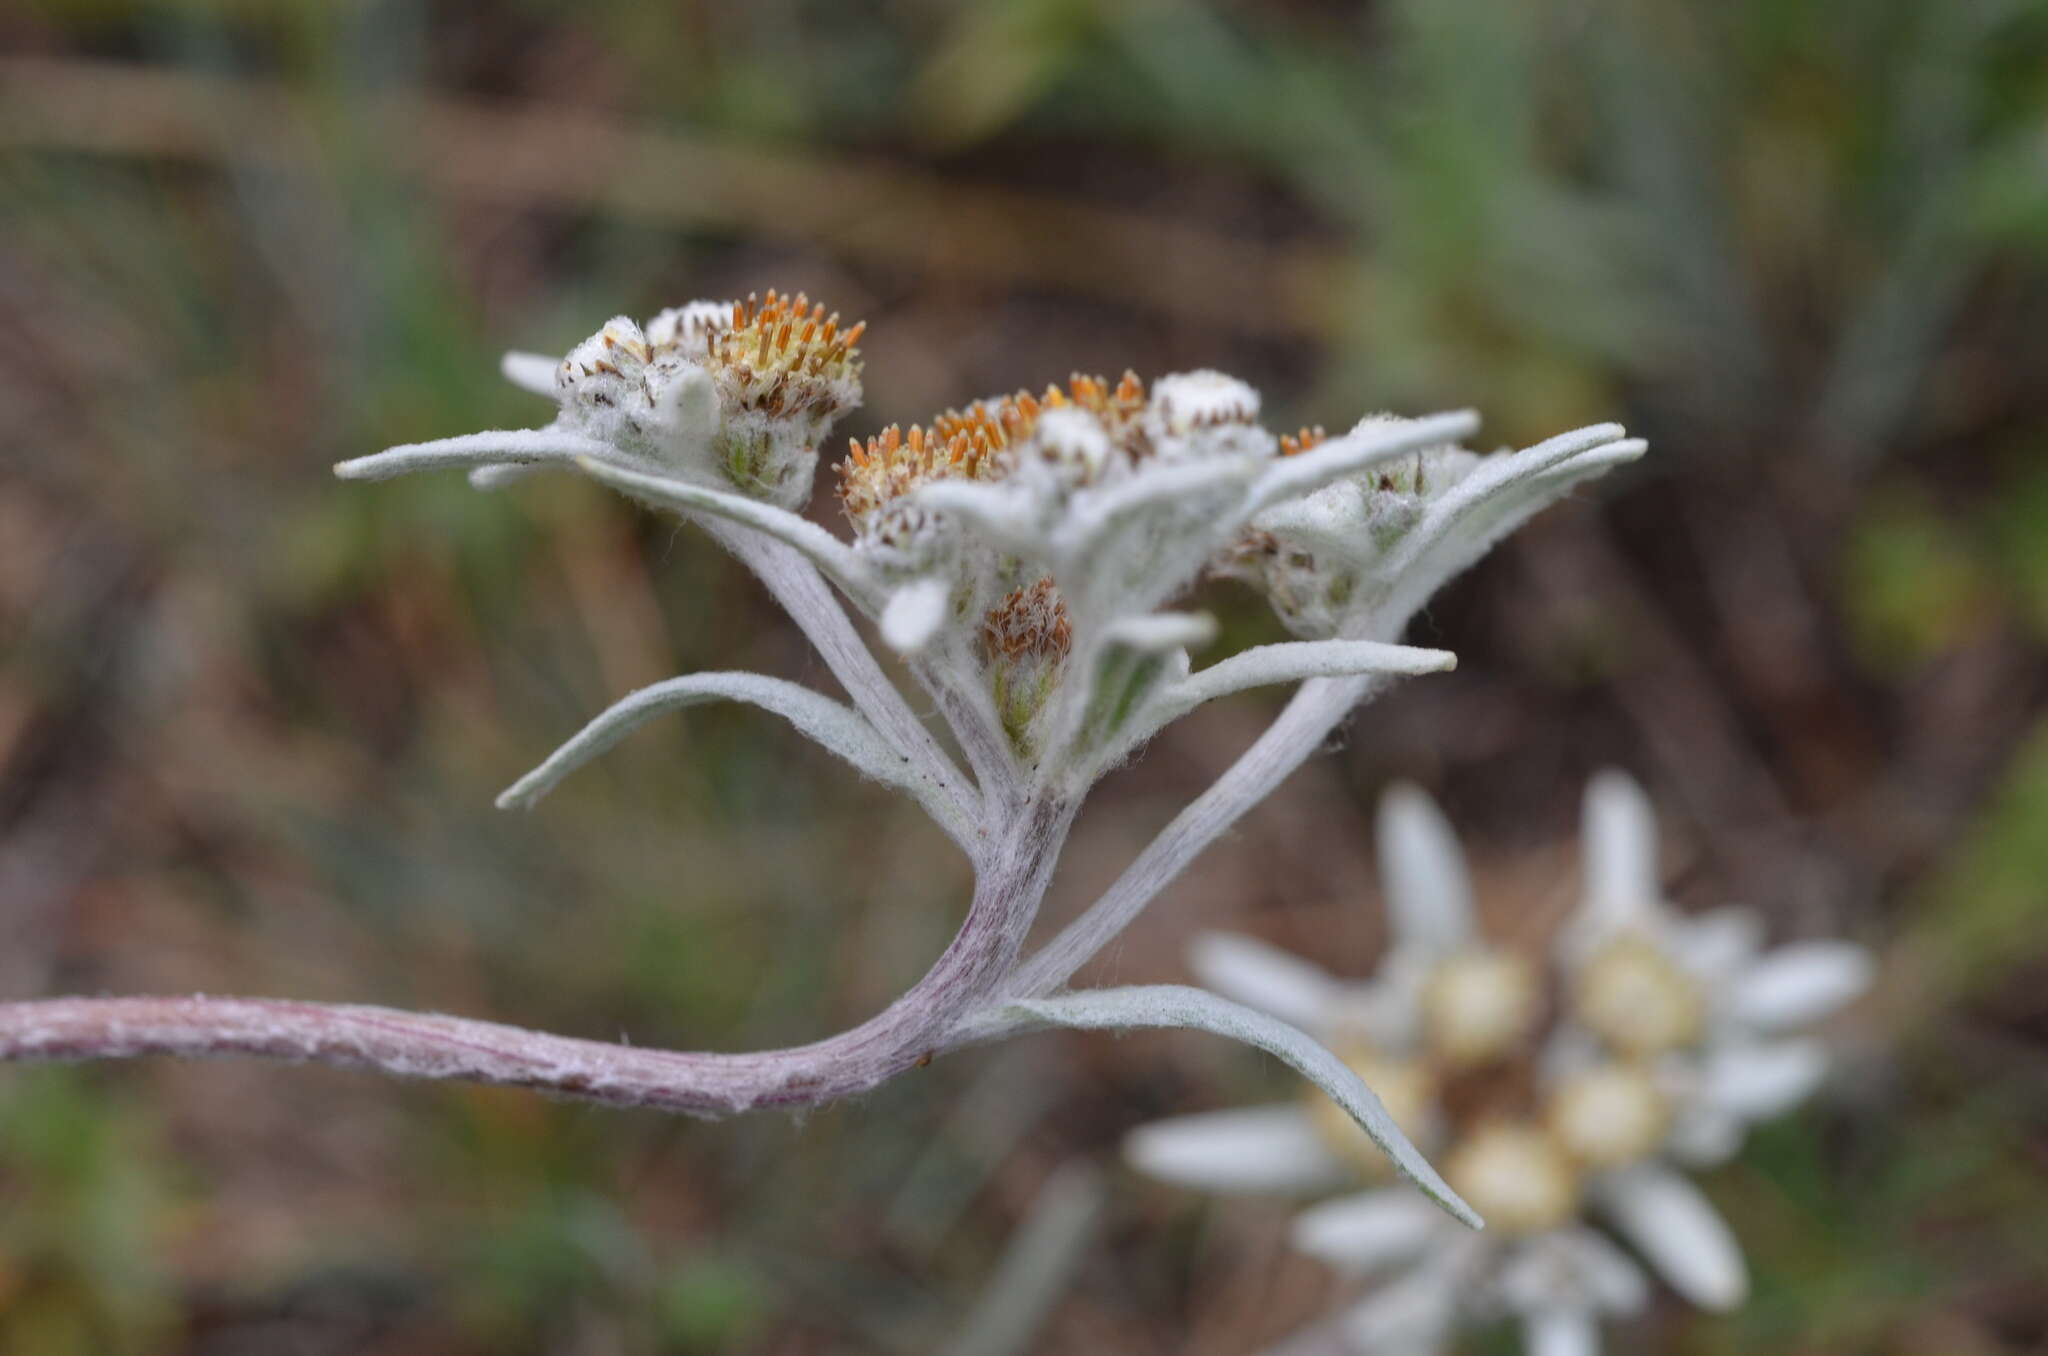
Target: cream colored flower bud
(689,329)
(1186,401)
(599,382)
(1479,1006)
(1634,997)
(1516,1176)
(1609,1115)
(618,389)
(1404,1087)
(1074,442)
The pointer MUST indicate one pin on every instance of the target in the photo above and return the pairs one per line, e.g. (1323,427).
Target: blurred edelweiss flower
(1664,1046)
(1023,555)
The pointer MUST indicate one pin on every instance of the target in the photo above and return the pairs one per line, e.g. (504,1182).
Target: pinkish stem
(429,1045)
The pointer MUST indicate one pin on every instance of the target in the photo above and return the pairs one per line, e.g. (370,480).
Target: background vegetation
(251,720)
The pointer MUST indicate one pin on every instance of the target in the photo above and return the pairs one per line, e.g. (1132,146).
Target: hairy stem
(1316,709)
(802,592)
(1008,890)
(974,724)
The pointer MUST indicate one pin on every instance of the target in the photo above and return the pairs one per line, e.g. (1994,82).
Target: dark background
(251,719)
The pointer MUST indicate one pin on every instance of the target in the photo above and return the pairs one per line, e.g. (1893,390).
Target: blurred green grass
(251,721)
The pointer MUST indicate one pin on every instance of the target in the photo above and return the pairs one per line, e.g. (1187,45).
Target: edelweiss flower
(1018,552)
(1695,996)
(1539,1119)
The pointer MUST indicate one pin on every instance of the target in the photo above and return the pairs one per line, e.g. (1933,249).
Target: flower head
(732,395)
(1544,1116)
(651,402)
(784,371)
(1358,555)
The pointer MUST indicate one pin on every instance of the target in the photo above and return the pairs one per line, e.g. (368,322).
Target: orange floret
(893,463)
(972,442)
(782,355)
(1292,444)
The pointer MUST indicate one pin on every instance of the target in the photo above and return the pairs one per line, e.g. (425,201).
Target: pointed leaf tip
(1158,1006)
